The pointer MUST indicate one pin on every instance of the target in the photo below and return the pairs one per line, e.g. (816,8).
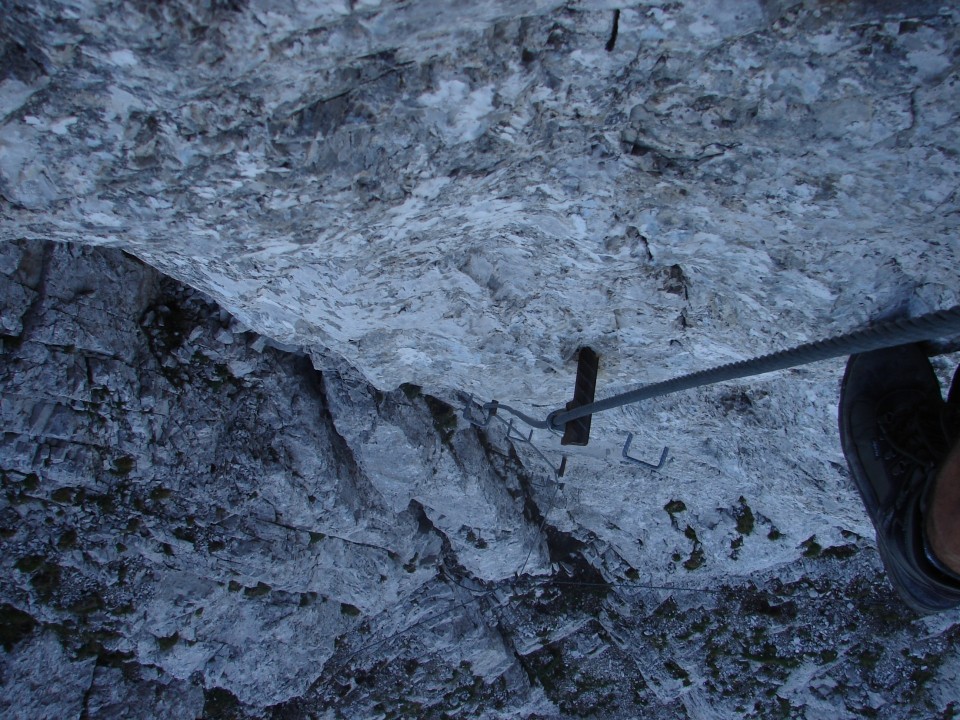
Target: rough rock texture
(195,523)
(452,200)
(460,197)
(179,493)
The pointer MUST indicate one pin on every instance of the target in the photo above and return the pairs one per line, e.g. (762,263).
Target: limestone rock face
(460,197)
(197,523)
(237,470)
(185,489)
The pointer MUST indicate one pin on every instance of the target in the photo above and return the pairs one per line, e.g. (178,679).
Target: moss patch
(744,517)
(349,610)
(166,644)
(160,493)
(259,590)
(675,506)
(696,559)
(220,704)
(811,548)
(411,391)
(63,495)
(124,465)
(31,482)
(29,563)
(444,418)
(677,672)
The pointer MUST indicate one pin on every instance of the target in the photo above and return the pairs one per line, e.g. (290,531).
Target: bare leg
(943,524)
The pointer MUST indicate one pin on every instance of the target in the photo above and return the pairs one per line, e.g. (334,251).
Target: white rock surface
(458,198)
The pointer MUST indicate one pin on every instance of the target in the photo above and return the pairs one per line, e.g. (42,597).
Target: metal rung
(638,461)
(577,432)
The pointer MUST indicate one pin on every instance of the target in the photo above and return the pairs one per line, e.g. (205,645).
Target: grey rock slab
(458,199)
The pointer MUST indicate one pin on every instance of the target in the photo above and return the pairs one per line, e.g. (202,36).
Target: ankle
(942,527)
(941,553)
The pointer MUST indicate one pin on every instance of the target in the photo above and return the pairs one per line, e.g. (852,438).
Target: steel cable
(888,334)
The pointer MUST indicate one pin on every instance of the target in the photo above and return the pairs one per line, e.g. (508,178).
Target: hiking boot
(896,430)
